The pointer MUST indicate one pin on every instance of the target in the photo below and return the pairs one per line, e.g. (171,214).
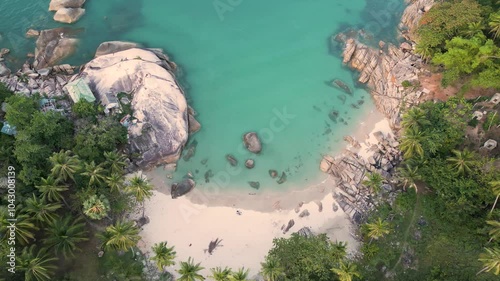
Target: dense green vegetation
(463,38)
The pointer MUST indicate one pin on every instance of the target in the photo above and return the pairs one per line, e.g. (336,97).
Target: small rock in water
(273,173)
(361,102)
(254,184)
(208,175)
(304,213)
(204,161)
(342,98)
(231,160)
(317,108)
(252,142)
(354,106)
(334,115)
(179,189)
(291,223)
(250,163)
(282,178)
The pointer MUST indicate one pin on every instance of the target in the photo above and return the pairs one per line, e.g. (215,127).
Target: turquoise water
(244,66)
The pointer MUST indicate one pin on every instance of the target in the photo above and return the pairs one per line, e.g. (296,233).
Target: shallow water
(247,66)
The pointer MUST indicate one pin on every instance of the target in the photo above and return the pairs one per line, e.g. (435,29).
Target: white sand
(189,223)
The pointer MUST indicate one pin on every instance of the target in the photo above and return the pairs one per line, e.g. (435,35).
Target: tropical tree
(409,175)
(495,187)
(338,250)
(240,275)
(346,271)
(473,29)
(120,236)
(95,207)
(25,228)
(164,256)
(495,231)
(271,270)
(425,51)
(378,229)
(51,190)
(140,188)
(490,260)
(36,265)
(95,173)
(115,182)
(463,162)
(64,165)
(220,274)
(415,118)
(411,143)
(189,271)
(374,181)
(494,24)
(64,234)
(115,162)
(40,210)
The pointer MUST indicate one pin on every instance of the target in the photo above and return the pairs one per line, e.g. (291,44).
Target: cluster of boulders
(67,11)
(349,170)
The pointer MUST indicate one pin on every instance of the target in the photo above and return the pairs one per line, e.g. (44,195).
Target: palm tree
(495,24)
(473,29)
(409,175)
(120,236)
(495,187)
(346,271)
(115,182)
(37,266)
(425,51)
(415,118)
(24,230)
(140,188)
(63,235)
(490,260)
(219,274)
(338,250)
(463,162)
(240,275)
(189,271)
(40,210)
(374,181)
(115,162)
(411,143)
(378,229)
(495,232)
(51,189)
(164,256)
(95,207)
(64,165)
(95,173)
(271,270)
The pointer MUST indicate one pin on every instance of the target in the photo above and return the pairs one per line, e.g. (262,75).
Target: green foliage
(93,140)
(346,271)
(306,258)
(20,110)
(37,265)
(121,236)
(189,271)
(406,84)
(96,208)
(64,235)
(4,93)
(164,256)
(116,266)
(492,120)
(85,109)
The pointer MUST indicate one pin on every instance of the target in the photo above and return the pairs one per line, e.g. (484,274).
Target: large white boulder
(55,5)
(69,15)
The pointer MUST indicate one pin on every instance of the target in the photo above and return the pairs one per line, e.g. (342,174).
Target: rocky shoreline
(384,71)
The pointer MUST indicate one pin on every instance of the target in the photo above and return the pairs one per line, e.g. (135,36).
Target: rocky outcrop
(55,5)
(111,47)
(31,33)
(159,129)
(69,15)
(411,17)
(67,11)
(54,45)
(182,188)
(252,142)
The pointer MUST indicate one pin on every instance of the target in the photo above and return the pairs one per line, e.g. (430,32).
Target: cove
(252,66)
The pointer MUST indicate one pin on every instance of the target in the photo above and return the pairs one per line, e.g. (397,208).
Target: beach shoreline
(191,222)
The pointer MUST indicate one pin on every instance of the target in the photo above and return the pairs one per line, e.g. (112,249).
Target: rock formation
(111,47)
(54,45)
(179,189)
(159,129)
(250,163)
(411,16)
(67,11)
(252,142)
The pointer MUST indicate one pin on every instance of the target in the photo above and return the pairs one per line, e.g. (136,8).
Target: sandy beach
(190,222)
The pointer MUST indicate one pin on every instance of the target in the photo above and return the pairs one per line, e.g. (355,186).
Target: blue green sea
(245,65)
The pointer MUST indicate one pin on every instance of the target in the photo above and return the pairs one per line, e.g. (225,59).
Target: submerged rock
(194,125)
(254,184)
(252,142)
(282,178)
(273,173)
(337,83)
(160,129)
(179,189)
(250,163)
(54,45)
(230,158)
(208,175)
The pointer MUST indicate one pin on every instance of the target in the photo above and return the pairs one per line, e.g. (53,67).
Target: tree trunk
(494,204)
